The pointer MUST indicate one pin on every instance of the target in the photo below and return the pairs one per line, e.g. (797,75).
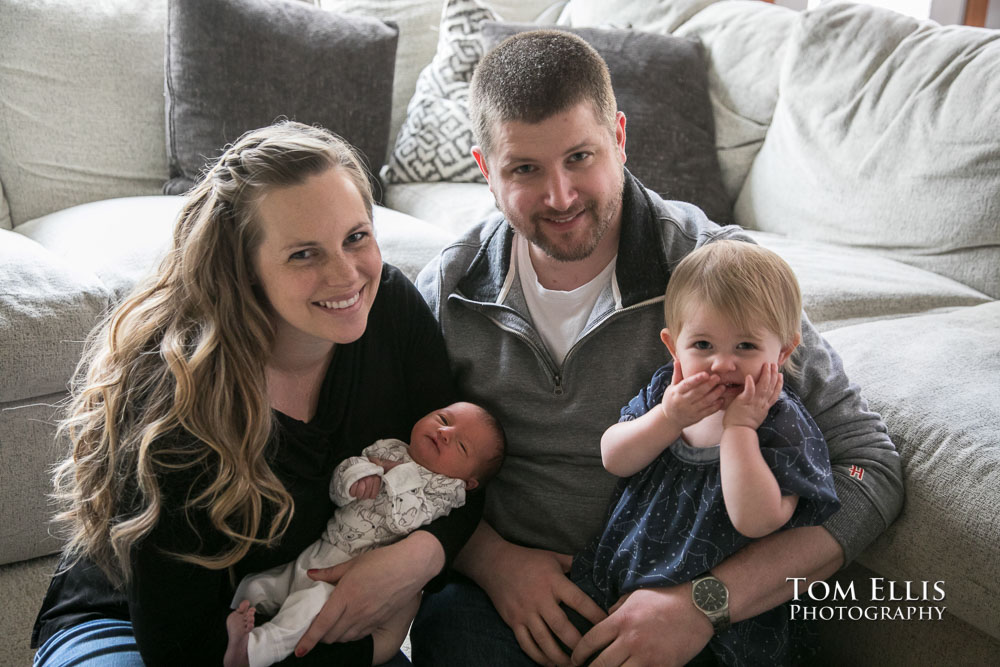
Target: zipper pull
(558,391)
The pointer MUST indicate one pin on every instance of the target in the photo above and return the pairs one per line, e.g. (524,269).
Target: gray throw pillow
(661,84)
(236,65)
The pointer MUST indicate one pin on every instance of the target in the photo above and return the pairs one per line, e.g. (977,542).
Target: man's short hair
(532,75)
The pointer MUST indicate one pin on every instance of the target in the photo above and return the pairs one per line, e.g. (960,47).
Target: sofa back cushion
(745,43)
(885,136)
(81,112)
(237,65)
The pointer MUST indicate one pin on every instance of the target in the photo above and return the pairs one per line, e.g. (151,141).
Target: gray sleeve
(866,468)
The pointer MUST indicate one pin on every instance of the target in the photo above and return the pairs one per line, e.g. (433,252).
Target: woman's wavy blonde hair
(185,352)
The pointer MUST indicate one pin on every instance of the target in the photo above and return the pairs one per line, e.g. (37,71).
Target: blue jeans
(458,626)
(108,643)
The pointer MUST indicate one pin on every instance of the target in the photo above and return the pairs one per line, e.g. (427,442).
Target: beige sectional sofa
(861,145)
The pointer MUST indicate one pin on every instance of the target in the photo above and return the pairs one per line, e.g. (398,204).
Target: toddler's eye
(746,346)
(702,345)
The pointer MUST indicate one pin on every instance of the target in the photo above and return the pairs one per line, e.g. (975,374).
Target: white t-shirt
(559,316)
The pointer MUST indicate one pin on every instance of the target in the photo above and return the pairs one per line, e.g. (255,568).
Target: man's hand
(371,587)
(526,586)
(689,400)
(750,408)
(651,626)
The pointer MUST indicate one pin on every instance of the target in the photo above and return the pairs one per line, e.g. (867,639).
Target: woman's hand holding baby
(750,408)
(689,400)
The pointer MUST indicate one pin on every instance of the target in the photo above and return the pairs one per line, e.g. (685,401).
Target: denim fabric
(458,626)
(103,642)
(108,643)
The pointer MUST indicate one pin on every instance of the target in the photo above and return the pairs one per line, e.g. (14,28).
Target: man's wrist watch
(711,597)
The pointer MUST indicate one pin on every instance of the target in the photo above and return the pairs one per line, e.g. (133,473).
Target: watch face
(710,595)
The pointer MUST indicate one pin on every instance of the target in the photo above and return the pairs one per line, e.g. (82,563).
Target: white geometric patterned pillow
(435,140)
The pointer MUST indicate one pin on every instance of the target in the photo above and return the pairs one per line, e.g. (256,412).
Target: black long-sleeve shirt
(376,387)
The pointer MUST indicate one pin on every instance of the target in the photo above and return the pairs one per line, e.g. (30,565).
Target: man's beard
(601,219)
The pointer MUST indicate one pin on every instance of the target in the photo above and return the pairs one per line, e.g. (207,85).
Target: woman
(214,403)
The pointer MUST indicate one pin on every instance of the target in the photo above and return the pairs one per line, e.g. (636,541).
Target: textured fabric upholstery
(236,65)
(884,136)
(47,308)
(107,69)
(934,380)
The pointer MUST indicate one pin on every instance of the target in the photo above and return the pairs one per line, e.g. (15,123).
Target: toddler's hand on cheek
(689,400)
(750,408)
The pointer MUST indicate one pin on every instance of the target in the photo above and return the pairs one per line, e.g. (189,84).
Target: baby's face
(710,342)
(455,441)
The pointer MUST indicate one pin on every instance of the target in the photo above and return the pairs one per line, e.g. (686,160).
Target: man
(551,312)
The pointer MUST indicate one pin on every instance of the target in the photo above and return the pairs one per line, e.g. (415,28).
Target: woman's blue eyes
(308,253)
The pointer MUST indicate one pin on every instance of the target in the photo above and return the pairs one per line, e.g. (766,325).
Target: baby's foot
(238,625)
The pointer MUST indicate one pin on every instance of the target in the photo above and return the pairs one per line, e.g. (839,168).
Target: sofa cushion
(28,450)
(745,43)
(843,286)
(118,240)
(435,141)
(47,309)
(5,221)
(83,121)
(885,136)
(406,242)
(451,206)
(933,378)
(417,21)
(663,16)
(236,65)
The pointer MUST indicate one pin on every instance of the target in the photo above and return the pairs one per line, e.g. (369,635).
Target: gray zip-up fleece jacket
(552,491)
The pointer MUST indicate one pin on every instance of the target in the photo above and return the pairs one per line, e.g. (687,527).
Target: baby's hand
(366,488)
(750,407)
(690,400)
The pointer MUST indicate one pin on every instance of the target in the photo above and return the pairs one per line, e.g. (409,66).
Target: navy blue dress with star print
(668,522)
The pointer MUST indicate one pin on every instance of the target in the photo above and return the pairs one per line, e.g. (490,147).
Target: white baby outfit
(410,497)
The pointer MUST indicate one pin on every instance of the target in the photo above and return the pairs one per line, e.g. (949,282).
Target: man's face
(559,182)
